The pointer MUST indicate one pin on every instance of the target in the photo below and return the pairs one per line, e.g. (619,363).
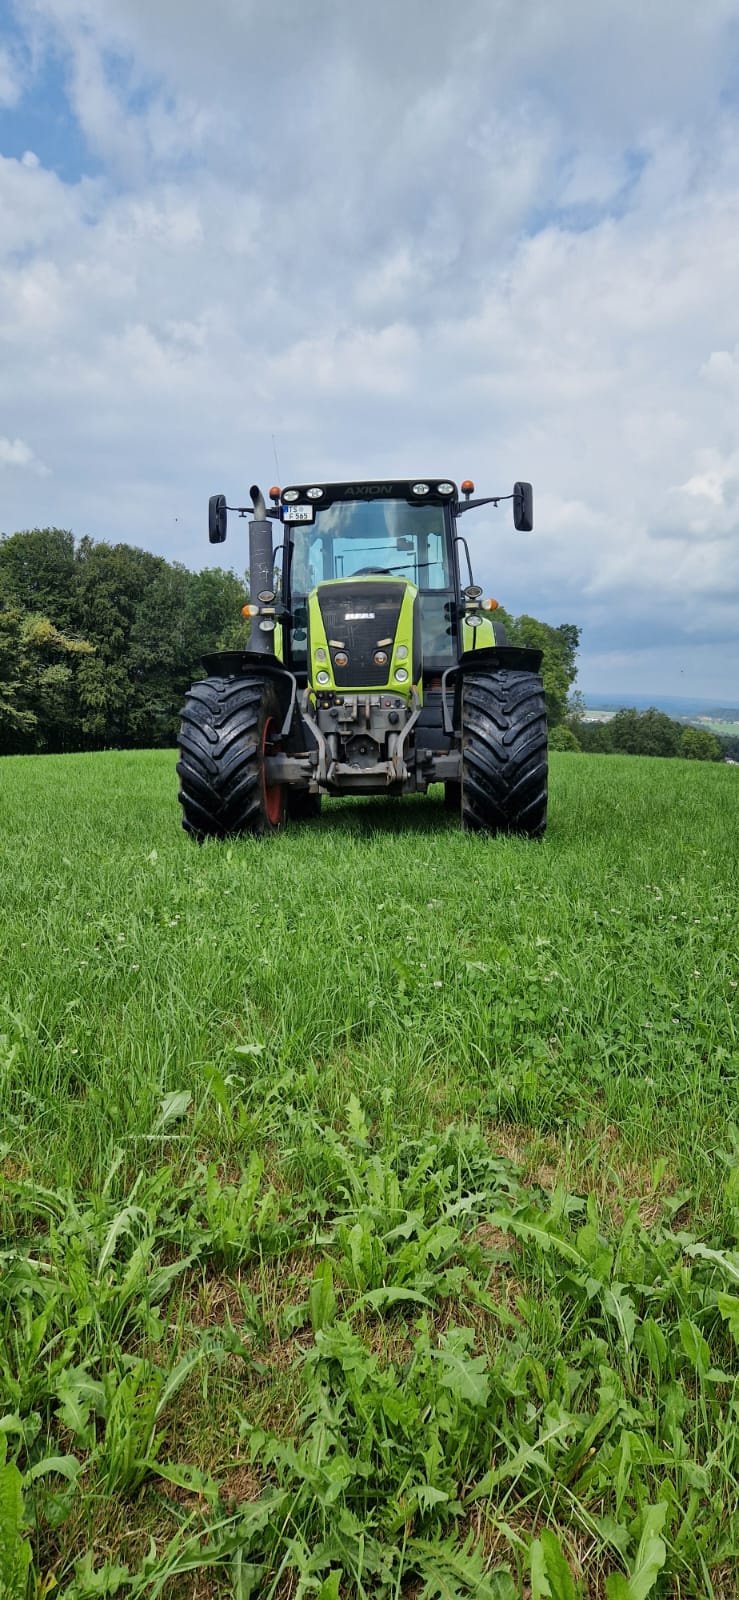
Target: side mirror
(523,507)
(217,518)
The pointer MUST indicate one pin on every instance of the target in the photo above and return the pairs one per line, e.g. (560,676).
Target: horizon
(629,698)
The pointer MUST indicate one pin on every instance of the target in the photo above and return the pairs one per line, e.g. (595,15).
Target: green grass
(718,725)
(370,1198)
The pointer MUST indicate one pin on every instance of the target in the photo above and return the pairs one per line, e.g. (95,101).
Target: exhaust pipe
(258,502)
(261,568)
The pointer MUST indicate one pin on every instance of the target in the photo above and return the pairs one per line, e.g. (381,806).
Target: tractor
(370,668)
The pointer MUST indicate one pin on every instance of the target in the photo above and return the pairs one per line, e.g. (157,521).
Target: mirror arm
(490,500)
(248,511)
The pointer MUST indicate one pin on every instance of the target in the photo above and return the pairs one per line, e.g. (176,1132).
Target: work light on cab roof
(372,664)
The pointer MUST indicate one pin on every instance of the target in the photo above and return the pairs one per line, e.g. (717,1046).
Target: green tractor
(371,668)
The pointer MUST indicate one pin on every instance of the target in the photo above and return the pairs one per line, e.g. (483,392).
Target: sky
(275,240)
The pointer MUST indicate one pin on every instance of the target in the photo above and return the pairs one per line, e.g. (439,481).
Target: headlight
(401,652)
(420,488)
(401,674)
(290,495)
(314,494)
(380,658)
(474,621)
(445,488)
(320,653)
(341,659)
(323,677)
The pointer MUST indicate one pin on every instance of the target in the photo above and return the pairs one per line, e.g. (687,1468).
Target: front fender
(512,657)
(500,658)
(251,664)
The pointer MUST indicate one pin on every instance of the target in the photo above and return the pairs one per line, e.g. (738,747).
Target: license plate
(297,513)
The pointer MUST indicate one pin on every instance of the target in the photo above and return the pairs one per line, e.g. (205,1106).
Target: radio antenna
(277,459)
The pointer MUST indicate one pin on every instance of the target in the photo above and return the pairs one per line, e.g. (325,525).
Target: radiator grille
(360,616)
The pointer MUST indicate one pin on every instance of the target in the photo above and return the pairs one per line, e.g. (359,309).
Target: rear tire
(302,806)
(504,753)
(229,726)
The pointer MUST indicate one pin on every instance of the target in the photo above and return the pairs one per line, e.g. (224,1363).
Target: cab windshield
(363,537)
(385,537)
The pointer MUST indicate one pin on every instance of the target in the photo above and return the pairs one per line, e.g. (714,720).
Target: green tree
(156,657)
(563,738)
(213,620)
(649,733)
(151,621)
(658,734)
(559,658)
(594,738)
(112,583)
(37,573)
(699,744)
(37,683)
(646,733)
(624,732)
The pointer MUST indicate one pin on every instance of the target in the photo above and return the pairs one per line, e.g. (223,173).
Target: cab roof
(417,491)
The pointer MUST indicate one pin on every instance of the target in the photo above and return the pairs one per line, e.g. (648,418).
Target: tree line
(99,642)
(639,733)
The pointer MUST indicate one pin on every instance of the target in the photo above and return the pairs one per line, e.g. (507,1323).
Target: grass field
(718,725)
(370,1196)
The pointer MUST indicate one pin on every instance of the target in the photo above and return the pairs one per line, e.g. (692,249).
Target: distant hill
(675,705)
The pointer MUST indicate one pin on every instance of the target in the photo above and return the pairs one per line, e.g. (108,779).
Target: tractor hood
(362,633)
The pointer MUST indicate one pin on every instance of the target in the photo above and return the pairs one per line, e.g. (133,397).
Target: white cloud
(489,240)
(10,79)
(16,453)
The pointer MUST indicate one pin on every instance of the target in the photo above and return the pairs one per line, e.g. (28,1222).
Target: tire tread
(504,753)
(219,765)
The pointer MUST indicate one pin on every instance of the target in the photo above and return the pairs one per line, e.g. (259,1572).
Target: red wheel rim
(274,799)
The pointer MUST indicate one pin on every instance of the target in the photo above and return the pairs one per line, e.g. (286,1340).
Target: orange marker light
(490,605)
(275,492)
(250,611)
(468,486)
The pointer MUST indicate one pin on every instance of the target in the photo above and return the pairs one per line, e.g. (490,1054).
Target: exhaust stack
(261,568)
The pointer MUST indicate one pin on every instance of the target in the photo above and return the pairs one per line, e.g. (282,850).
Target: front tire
(504,753)
(229,727)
